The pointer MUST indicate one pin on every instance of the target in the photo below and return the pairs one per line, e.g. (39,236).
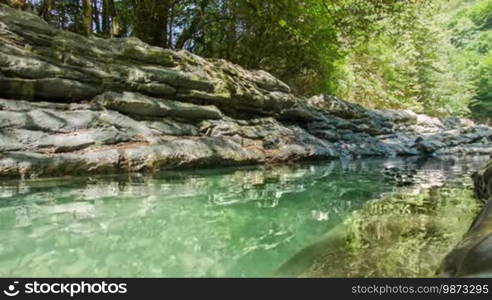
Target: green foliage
(481,14)
(413,66)
(472,37)
(484,85)
(292,40)
(431,56)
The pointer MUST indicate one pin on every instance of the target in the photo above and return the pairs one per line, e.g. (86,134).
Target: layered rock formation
(76,105)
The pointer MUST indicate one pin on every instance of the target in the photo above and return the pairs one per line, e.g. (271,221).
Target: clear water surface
(232,222)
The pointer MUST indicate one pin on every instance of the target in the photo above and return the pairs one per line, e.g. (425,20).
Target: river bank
(74,105)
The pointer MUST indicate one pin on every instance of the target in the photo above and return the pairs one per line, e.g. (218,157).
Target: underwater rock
(401,234)
(472,257)
(401,176)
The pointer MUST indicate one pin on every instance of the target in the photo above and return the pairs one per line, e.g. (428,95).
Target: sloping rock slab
(473,256)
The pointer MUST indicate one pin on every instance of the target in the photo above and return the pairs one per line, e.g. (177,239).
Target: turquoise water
(237,222)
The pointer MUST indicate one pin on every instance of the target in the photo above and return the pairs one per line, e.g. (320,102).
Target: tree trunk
(115,20)
(87,22)
(45,11)
(188,33)
(106,16)
(78,17)
(151,21)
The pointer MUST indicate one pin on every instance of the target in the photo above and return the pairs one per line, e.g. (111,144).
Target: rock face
(473,256)
(76,105)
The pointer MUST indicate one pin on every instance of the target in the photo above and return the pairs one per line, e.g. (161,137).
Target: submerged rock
(83,105)
(403,234)
(401,176)
(472,257)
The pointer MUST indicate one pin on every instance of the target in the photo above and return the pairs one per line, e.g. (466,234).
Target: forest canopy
(431,56)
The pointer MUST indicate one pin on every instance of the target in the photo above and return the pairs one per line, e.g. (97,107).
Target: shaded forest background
(432,56)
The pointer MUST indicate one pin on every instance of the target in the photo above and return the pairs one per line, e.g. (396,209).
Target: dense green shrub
(416,67)
(472,36)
